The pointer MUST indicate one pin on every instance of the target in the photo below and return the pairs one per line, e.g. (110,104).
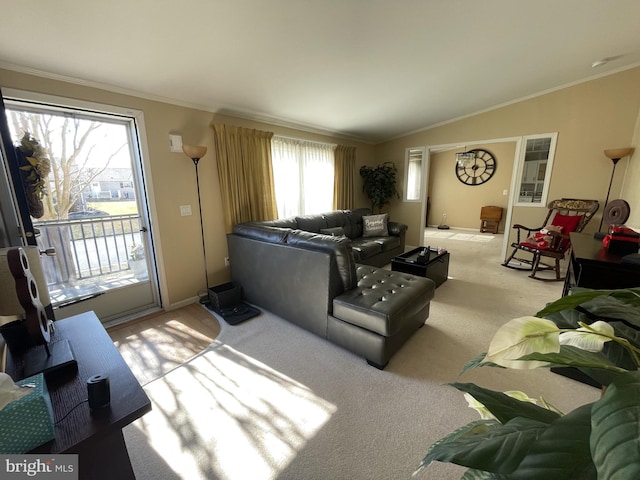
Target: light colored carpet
(268,400)
(452,235)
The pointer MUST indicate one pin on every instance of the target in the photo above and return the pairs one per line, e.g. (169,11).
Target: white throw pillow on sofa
(375,225)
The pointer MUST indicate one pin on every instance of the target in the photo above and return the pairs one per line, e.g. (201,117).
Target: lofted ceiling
(368,69)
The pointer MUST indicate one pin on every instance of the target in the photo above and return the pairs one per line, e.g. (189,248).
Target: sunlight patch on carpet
(225,415)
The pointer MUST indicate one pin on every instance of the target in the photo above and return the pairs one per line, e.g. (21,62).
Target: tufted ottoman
(378,317)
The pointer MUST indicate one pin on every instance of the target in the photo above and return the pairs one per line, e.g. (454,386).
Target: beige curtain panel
(246,175)
(344,193)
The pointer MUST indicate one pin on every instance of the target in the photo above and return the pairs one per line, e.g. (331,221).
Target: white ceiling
(370,69)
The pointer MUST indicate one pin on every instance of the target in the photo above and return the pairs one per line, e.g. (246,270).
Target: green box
(27,423)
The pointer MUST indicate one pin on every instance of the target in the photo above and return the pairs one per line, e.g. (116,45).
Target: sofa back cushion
(340,247)
(355,221)
(280,223)
(311,223)
(349,220)
(337,218)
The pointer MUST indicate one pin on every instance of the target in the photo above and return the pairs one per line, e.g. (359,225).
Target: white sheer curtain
(303,176)
(413,179)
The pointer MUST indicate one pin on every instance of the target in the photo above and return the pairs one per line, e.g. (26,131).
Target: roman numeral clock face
(479,170)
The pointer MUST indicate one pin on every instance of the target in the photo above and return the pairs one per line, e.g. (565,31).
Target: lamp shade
(618,153)
(194,151)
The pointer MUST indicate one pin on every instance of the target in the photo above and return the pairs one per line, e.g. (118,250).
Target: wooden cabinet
(490,219)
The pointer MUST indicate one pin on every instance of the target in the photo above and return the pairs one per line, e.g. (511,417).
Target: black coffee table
(436,268)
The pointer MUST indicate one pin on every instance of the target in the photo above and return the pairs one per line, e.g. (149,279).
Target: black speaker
(98,391)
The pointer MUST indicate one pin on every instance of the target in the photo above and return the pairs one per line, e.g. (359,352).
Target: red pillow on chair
(567,222)
(541,240)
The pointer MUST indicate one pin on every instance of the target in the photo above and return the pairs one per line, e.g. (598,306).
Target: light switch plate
(175,143)
(185,210)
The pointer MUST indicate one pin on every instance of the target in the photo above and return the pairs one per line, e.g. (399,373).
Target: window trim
(420,173)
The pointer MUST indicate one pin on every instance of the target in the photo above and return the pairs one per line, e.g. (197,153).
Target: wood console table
(96,437)
(591,266)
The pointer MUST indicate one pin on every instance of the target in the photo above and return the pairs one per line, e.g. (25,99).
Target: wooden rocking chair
(551,240)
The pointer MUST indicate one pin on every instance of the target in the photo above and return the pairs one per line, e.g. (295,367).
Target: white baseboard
(181,303)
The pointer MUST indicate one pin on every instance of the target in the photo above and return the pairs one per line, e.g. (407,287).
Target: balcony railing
(92,254)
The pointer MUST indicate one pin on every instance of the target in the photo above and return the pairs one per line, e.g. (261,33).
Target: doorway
(469,198)
(79,193)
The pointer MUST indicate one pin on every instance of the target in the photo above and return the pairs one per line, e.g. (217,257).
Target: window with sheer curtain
(303,174)
(413,178)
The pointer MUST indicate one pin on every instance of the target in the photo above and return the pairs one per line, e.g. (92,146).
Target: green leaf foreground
(504,407)
(479,362)
(596,440)
(610,308)
(578,297)
(498,450)
(574,357)
(599,440)
(561,451)
(615,441)
(473,474)
(568,356)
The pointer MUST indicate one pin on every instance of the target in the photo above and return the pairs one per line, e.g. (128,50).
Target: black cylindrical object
(98,391)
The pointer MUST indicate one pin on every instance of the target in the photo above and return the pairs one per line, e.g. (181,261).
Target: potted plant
(35,167)
(137,260)
(596,331)
(379,184)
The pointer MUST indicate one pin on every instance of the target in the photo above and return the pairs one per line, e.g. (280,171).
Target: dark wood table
(95,436)
(592,266)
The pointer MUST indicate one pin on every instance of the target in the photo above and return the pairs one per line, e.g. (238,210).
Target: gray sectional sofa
(376,250)
(312,279)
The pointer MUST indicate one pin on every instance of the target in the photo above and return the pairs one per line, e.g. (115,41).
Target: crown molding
(218,109)
(517,100)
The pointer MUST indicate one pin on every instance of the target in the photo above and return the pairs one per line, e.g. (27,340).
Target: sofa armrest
(396,228)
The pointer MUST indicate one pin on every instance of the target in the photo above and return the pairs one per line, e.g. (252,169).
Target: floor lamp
(615,154)
(195,153)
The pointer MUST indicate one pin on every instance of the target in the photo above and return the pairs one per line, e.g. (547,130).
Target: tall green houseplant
(379,184)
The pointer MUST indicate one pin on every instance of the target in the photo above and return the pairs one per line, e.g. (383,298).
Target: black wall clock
(479,170)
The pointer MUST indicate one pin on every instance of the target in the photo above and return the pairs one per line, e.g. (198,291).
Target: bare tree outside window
(70,145)
(78,151)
